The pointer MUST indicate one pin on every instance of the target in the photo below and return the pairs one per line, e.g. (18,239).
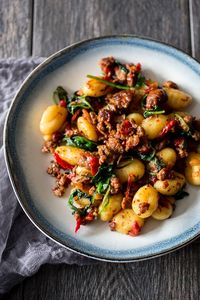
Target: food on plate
(124,145)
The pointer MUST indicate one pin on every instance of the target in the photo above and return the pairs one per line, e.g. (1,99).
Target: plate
(27,165)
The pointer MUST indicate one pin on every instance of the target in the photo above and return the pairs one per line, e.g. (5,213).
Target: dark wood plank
(174,276)
(61,23)
(15,28)
(195,27)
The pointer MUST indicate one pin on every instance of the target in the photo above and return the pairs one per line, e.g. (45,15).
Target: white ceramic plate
(27,165)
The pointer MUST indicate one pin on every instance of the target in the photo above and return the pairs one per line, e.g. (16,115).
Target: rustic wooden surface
(41,27)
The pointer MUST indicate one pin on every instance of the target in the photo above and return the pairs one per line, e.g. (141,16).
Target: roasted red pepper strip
(61,162)
(78,223)
(93,162)
(167,128)
(63,103)
(135,230)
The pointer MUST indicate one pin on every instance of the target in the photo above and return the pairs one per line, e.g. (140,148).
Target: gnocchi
(170,187)
(168,156)
(164,209)
(133,167)
(136,117)
(87,129)
(95,88)
(127,222)
(153,125)
(145,201)
(71,155)
(110,208)
(192,170)
(52,119)
(177,99)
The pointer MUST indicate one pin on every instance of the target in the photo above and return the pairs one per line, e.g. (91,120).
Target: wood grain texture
(171,277)
(60,23)
(195,27)
(15,28)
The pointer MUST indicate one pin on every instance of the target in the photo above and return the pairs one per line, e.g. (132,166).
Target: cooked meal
(124,144)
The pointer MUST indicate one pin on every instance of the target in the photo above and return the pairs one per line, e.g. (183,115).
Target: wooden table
(41,27)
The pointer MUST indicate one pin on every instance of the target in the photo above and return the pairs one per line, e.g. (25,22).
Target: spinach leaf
(149,156)
(187,130)
(122,67)
(105,200)
(59,94)
(78,194)
(155,165)
(109,83)
(77,102)
(181,194)
(105,171)
(102,186)
(80,142)
(140,81)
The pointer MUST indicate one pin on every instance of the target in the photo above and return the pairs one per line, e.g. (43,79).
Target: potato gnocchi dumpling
(71,155)
(164,209)
(52,119)
(124,143)
(110,208)
(127,222)
(136,117)
(192,170)
(87,129)
(177,99)
(145,201)
(170,187)
(94,88)
(168,156)
(153,125)
(132,167)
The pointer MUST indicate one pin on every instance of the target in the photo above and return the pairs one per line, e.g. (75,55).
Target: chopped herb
(80,142)
(122,67)
(77,102)
(152,112)
(80,195)
(181,194)
(140,81)
(59,94)
(143,101)
(155,165)
(148,156)
(186,129)
(118,86)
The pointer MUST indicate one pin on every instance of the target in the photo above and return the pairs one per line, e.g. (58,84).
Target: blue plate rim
(20,92)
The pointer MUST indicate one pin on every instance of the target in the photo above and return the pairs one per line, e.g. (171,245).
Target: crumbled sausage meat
(115,185)
(120,100)
(155,98)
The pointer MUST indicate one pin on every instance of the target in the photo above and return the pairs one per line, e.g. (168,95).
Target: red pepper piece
(135,230)
(63,103)
(138,67)
(126,127)
(168,127)
(78,223)
(89,217)
(61,162)
(93,162)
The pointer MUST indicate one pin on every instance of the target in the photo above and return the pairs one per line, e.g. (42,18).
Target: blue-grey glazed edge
(15,170)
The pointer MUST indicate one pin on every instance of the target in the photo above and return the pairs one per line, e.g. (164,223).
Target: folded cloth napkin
(23,248)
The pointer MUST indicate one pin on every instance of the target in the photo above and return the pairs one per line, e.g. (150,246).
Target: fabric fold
(23,248)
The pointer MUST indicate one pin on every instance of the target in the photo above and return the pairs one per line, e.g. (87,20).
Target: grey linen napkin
(23,248)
